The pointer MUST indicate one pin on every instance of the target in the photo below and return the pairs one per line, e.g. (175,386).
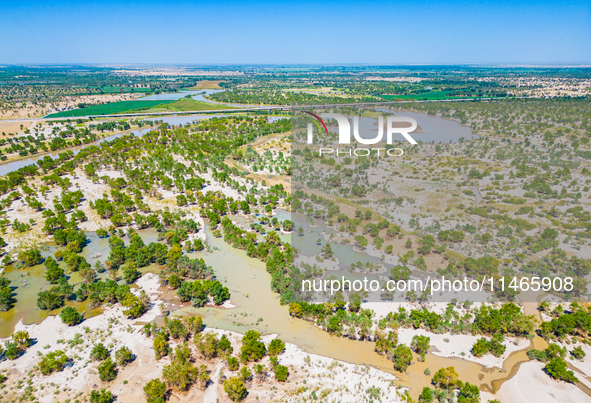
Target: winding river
(257,307)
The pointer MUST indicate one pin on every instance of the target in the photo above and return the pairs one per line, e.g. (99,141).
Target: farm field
(207,85)
(187,104)
(108,109)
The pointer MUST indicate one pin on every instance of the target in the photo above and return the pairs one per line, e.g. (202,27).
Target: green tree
(469,393)
(334,325)
(53,272)
(107,370)
(173,255)
(235,389)
(354,302)
(137,306)
(207,345)
(11,350)
(281,372)
(245,375)
(155,391)
(131,274)
(420,344)
(174,281)
(22,339)
(6,299)
(30,257)
(276,347)
(481,347)
(558,369)
(160,345)
(49,300)
(124,356)
(402,357)
(70,316)
(549,234)
(445,378)
(103,396)
(224,345)
(232,362)
(99,352)
(426,395)
(497,348)
(253,349)
(180,374)
(176,329)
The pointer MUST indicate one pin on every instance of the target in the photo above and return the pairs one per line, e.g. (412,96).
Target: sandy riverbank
(339,380)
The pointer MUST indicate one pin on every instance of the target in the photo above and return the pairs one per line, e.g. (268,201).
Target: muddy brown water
(258,308)
(28,282)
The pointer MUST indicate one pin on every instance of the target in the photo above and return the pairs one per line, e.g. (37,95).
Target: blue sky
(394,32)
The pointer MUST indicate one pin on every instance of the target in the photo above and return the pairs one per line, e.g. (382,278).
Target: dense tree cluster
(494,346)
(577,323)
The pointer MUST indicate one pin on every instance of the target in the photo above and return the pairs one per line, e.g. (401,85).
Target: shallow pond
(28,282)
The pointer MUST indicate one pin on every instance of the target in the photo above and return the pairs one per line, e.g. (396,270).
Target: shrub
(578,353)
(53,362)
